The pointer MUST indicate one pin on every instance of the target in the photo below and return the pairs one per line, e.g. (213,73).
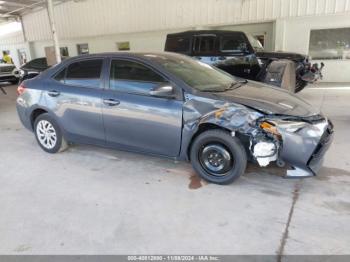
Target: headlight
(273,126)
(291,126)
(18,72)
(21,72)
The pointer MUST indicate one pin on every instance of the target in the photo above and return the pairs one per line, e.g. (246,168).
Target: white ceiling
(12,9)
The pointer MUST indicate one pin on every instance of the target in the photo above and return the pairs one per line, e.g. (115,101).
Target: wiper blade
(213,90)
(237,84)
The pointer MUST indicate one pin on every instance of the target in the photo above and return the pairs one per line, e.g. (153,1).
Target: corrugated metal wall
(10,39)
(104,17)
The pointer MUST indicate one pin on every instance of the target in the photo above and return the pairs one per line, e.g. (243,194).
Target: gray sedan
(173,106)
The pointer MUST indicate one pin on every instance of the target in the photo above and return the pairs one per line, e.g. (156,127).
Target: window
(64,51)
(196,74)
(83,49)
(39,63)
(204,44)
(123,46)
(178,44)
(60,76)
(233,43)
(261,39)
(330,44)
(84,73)
(133,77)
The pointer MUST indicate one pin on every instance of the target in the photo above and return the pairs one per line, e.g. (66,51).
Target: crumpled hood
(269,100)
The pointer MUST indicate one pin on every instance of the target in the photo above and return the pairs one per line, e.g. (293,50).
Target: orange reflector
(268,127)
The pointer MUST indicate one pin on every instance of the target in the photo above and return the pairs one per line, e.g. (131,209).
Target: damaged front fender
(296,141)
(238,119)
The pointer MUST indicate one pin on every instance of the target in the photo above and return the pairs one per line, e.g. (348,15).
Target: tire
(218,157)
(46,129)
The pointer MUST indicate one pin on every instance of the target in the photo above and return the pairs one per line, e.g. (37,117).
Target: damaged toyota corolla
(174,106)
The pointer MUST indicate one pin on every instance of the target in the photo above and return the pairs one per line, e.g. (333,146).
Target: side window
(178,44)
(233,43)
(60,75)
(204,44)
(133,77)
(84,73)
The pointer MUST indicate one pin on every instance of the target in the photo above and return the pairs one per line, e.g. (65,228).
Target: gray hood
(269,100)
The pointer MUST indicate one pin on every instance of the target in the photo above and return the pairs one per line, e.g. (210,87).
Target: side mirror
(164,90)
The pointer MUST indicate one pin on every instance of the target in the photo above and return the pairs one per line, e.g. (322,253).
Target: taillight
(21,89)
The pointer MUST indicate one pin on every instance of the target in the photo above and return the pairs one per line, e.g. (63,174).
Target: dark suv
(242,55)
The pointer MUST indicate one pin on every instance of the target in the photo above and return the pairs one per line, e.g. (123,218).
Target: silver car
(6,73)
(173,106)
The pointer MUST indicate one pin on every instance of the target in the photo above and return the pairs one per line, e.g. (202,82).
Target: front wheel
(218,157)
(48,134)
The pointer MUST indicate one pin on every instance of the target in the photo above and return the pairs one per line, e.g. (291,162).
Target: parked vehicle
(174,106)
(6,74)
(242,55)
(31,69)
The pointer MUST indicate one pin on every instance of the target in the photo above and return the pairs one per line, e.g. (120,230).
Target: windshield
(196,74)
(257,46)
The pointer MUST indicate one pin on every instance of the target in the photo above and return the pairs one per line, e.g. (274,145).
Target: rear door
(133,118)
(76,97)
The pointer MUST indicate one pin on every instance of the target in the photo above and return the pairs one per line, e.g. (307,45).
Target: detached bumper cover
(315,161)
(305,151)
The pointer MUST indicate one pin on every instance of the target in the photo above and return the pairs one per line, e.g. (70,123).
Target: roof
(201,32)
(126,54)
(150,56)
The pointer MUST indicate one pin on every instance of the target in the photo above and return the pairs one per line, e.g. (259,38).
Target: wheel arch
(201,129)
(35,113)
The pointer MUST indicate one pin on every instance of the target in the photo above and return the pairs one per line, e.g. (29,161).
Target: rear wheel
(48,134)
(218,157)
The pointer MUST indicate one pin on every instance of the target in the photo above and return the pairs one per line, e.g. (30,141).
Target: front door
(133,118)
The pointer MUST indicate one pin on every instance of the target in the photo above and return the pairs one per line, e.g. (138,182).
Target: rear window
(178,44)
(39,63)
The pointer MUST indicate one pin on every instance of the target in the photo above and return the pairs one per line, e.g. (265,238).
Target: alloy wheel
(46,134)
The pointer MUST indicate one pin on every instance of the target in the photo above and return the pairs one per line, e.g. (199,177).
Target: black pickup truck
(242,55)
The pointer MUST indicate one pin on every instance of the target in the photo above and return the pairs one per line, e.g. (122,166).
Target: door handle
(53,93)
(111,102)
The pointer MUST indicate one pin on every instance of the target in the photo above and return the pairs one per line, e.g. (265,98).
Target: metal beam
(53,30)
(23,7)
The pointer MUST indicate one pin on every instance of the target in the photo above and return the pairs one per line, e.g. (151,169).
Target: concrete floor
(89,200)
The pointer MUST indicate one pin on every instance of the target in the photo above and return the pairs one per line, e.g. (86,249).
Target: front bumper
(9,77)
(305,153)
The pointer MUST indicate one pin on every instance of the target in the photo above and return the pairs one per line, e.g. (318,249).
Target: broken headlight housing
(274,126)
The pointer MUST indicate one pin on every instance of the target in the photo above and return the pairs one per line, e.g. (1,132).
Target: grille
(6,69)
